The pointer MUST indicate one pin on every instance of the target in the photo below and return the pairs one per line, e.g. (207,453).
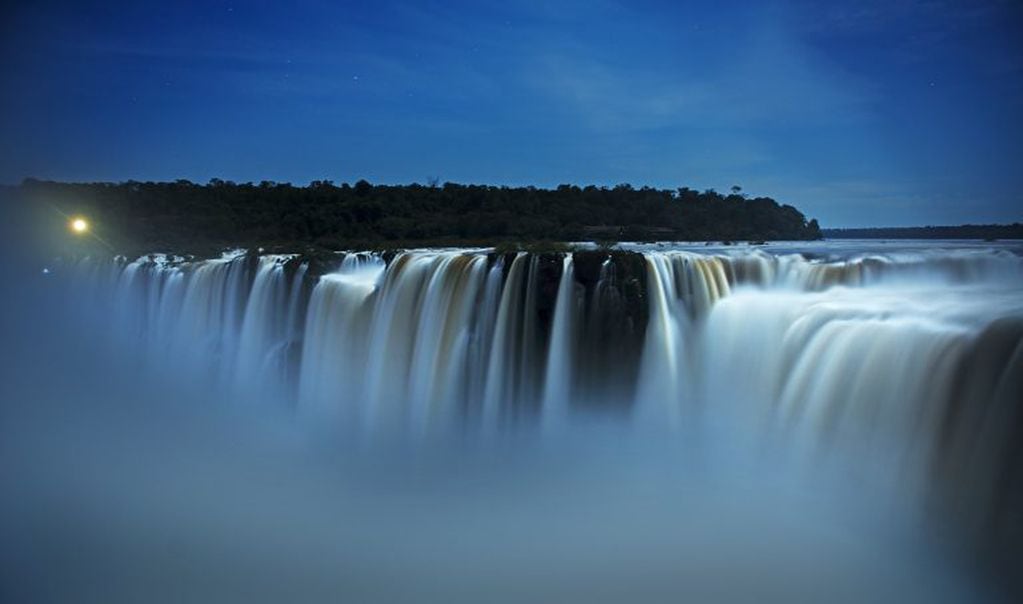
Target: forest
(186,217)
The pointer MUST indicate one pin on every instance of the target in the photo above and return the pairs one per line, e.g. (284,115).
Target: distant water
(828,421)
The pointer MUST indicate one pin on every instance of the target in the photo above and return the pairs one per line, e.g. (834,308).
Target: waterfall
(559,374)
(914,352)
(336,336)
(663,368)
(437,375)
(500,378)
(266,331)
(825,352)
(788,396)
(426,339)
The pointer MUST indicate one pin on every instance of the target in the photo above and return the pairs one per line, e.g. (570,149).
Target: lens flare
(79,225)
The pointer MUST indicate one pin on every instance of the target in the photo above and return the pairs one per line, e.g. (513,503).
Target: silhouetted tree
(180,215)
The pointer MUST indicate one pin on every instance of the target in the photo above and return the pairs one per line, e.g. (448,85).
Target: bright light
(79,225)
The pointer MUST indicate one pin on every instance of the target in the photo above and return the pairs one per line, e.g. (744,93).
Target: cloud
(770,81)
(883,16)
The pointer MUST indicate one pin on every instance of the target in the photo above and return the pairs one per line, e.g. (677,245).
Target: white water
(434,339)
(834,395)
(559,373)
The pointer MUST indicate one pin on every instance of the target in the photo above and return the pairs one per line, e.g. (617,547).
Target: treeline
(965,231)
(182,215)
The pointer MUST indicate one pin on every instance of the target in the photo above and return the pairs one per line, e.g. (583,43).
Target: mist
(129,481)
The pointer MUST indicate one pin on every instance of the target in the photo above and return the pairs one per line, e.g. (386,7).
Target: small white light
(79,225)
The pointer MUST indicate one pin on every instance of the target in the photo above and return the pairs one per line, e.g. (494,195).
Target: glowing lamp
(79,225)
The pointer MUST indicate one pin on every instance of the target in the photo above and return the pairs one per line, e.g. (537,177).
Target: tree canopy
(183,215)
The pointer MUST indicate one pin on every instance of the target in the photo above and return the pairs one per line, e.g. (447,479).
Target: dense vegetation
(182,215)
(965,231)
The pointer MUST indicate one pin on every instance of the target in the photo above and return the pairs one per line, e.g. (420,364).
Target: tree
(187,218)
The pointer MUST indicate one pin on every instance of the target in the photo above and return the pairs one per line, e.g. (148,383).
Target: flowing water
(813,422)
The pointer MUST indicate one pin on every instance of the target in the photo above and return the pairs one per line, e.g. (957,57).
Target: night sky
(880,112)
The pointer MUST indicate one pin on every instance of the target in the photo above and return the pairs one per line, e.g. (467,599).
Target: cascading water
(558,375)
(431,338)
(338,318)
(657,417)
(270,329)
(822,351)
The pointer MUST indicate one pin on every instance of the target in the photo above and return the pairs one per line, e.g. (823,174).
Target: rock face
(978,462)
(614,322)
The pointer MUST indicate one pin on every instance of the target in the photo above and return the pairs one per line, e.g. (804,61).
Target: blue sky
(894,112)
